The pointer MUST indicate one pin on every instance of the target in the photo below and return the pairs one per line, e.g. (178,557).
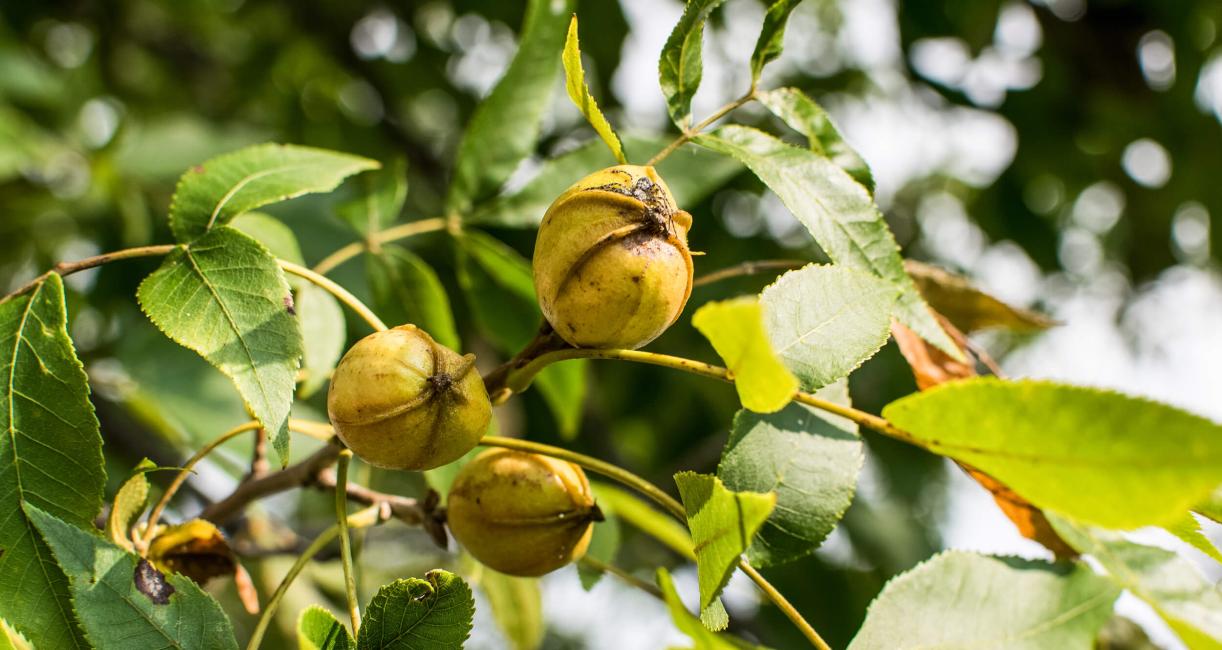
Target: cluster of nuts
(612,270)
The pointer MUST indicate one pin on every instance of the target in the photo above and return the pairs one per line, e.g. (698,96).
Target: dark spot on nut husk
(442,382)
(152,583)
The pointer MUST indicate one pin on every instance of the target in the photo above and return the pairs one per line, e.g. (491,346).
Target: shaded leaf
(1188,529)
(414,614)
(579,92)
(736,330)
(1083,452)
(123,602)
(969,308)
(805,116)
(225,297)
(50,433)
(211,194)
(1170,584)
(635,511)
(323,333)
(128,505)
(809,458)
(680,67)
(837,210)
(825,321)
(505,127)
(274,234)
(407,290)
(965,600)
(380,199)
(702,638)
(723,524)
(771,40)
(1120,633)
(517,607)
(604,543)
(318,629)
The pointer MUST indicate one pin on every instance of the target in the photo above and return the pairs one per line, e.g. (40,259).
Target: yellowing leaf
(969,308)
(1188,529)
(736,330)
(129,503)
(579,92)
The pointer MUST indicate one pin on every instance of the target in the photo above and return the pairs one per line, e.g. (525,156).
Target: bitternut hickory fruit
(400,400)
(522,514)
(611,263)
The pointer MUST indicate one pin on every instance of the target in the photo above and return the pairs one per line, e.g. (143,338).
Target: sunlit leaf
(736,330)
(965,600)
(212,194)
(379,201)
(318,629)
(680,68)
(579,92)
(723,524)
(805,116)
(1188,529)
(825,321)
(837,210)
(1190,604)
(225,297)
(969,308)
(413,614)
(809,458)
(505,127)
(772,36)
(50,457)
(122,601)
(11,639)
(1211,506)
(1090,454)
(407,290)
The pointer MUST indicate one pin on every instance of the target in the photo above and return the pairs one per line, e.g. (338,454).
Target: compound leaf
(50,457)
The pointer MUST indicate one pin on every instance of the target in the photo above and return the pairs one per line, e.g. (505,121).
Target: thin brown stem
(688,134)
(394,233)
(298,475)
(747,268)
(64,269)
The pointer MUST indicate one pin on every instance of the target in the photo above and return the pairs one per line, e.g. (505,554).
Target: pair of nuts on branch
(612,270)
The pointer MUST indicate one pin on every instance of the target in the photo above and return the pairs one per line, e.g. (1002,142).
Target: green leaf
(736,330)
(50,435)
(225,297)
(128,505)
(701,637)
(273,233)
(805,116)
(500,291)
(1211,506)
(318,629)
(414,614)
(680,68)
(645,517)
(323,333)
(1188,529)
(579,92)
(123,602)
(723,525)
(604,544)
(1094,455)
(837,210)
(965,600)
(809,458)
(211,194)
(772,36)
(825,321)
(691,174)
(407,290)
(11,639)
(380,200)
(517,607)
(1190,604)
(967,307)
(505,127)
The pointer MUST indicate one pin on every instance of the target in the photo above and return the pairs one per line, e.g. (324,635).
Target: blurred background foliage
(1064,153)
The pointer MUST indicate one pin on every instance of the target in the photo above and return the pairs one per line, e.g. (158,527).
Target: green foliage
(212,194)
(1170,584)
(517,606)
(805,116)
(122,601)
(967,307)
(837,210)
(1211,506)
(723,525)
(604,542)
(273,233)
(1188,529)
(680,67)
(579,92)
(736,330)
(702,638)
(323,335)
(381,199)
(645,517)
(407,290)
(413,614)
(50,458)
(809,458)
(225,297)
(1082,452)
(771,40)
(965,600)
(318,629)
(505,126)
(128,505)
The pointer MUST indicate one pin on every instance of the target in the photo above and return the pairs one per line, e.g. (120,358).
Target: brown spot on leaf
(152,583)
(288,305)
(198,169)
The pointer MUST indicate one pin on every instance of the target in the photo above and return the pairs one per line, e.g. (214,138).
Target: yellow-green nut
(522,514)
(400,400)
(611,263)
